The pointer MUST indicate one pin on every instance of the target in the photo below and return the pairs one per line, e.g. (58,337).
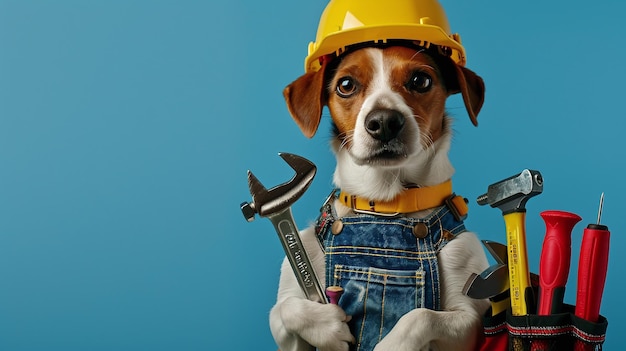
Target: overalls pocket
(377,298)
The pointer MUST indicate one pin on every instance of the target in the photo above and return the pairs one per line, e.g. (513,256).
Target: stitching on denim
(434,275)
(400,224)
(367,289)
(337,275)
(382,312)
(419,295)
(417,274)
(410,252)
(407,222)
(386,256)
(440,236)
(329,259)
(437,289)
(458,227)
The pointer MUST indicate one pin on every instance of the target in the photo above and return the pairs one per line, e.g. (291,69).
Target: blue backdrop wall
(127,127)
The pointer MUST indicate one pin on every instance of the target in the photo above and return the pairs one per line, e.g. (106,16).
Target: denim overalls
(387,266)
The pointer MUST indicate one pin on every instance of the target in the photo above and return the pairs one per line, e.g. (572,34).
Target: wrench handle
(296,255)
(519,275)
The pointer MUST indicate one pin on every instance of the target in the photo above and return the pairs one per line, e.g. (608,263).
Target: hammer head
(267,202)
(511,194)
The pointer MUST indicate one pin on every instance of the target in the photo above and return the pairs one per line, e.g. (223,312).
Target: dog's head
(387,104)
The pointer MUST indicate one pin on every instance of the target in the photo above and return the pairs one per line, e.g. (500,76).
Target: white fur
(297,323)
(382,96)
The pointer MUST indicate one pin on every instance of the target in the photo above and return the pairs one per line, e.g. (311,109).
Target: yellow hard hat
(348,22)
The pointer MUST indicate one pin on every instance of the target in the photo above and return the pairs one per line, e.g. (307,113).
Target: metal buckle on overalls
(327,213)
(327,205)
(457,206)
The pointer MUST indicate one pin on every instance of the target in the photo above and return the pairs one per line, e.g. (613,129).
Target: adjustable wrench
(275,204)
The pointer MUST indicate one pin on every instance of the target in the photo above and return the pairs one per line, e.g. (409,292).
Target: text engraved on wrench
(296,250)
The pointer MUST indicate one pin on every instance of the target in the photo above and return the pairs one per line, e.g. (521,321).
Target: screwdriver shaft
(600,208)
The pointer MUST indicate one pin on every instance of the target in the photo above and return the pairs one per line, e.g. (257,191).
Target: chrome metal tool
(275,204)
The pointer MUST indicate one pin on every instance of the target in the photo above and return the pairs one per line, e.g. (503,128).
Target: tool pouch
(495,335)
(563,331)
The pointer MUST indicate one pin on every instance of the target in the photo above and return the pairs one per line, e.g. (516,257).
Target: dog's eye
(346,87)
(420,82)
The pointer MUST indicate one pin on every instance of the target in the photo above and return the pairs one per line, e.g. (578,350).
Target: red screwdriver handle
(592,267)
(555,260)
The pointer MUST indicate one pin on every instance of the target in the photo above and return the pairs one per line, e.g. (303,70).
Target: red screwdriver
(555,260)
(592,267)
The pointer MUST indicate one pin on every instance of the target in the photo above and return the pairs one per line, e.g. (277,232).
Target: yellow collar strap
(410,200)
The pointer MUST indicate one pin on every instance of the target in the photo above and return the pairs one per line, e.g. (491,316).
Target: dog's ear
(472,87)
(305,99)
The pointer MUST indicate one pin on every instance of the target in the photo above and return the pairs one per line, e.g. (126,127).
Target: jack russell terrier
(393,237)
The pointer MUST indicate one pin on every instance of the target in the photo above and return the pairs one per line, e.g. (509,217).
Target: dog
(390,132)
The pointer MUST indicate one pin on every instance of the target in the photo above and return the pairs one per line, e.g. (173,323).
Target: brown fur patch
(307,95)
(399,64)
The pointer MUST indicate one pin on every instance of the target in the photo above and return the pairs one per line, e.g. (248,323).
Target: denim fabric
(384,269)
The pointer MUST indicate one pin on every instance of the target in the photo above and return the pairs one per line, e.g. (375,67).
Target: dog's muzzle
(385,127)
(384,124)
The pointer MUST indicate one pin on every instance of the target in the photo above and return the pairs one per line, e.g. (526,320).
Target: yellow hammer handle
(519,276)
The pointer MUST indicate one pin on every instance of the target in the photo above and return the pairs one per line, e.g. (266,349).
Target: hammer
(510,196)
(275,204)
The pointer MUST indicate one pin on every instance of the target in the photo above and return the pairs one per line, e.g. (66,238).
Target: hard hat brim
(336,43)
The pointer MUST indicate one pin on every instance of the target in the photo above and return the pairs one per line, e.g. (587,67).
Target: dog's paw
(391,346)
(413,332)
(398,343)
(324,326)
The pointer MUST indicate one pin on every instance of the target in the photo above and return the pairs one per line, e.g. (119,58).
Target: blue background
(127,127)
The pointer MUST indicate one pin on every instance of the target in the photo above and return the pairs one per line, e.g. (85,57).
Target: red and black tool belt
(556,332)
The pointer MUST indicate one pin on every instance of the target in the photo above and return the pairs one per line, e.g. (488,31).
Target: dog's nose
(384,124)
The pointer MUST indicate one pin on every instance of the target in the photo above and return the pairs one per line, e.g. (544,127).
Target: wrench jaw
(267,202)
